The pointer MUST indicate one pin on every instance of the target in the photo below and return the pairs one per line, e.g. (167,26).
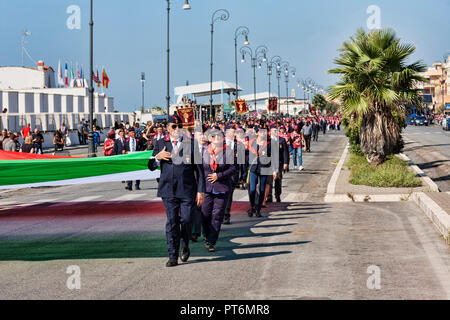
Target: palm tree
(376,83)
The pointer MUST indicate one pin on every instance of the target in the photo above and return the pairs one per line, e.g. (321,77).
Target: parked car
(411,120)
(446,124)
(421,121)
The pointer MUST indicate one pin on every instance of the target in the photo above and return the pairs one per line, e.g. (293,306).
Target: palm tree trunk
(379,135)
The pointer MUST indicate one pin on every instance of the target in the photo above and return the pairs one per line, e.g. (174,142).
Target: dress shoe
(258,214)
(211,248)
(185,253)
(251,212)
(137,188)
(127,188)
(194,238)
(226,220)
(172,263)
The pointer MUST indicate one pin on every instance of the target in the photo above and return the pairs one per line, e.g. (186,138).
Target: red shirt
(26,132)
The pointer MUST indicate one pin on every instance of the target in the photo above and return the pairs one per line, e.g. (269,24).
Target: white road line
(295,197)
(45,200)
(441,270)
(129,197)
(7,203)
(85,199)
(245,198)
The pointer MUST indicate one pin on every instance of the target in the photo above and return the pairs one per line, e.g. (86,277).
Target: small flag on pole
(60,76)
(66,76)
(105,79)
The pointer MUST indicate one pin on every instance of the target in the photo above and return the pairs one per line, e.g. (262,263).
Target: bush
(392,173)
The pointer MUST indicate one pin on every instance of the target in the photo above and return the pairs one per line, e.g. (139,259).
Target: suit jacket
(284,153)
(179,179)
(119,147)
(225,173)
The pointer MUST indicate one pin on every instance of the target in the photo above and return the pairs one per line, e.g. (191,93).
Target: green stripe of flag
(34,171)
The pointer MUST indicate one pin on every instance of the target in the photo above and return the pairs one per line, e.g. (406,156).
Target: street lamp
(223,15)
(244,32)
(284,67)
(143,82)
(272,63)
(91,151)
(260,51)
(288,71)
(186,6)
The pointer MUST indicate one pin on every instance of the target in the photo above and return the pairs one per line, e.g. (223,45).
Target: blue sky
(130,37)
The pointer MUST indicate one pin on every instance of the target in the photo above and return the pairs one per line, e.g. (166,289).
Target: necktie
(213,161)
(133,145)
(175,146)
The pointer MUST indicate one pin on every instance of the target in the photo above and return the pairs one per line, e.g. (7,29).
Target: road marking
(86,199)
(129,197)
(441,270)
(7,203)
(45,200)
(296,197)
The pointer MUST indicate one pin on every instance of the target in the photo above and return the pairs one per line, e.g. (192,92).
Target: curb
(331,189)
(436,214)
(423,176)
(367,198)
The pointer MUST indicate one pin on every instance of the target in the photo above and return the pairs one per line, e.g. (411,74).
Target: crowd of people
(221,156)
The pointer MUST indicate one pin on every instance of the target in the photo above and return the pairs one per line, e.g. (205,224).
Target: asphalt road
(429,148)
(302,248)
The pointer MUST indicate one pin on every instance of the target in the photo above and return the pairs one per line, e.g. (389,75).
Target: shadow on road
(77,242)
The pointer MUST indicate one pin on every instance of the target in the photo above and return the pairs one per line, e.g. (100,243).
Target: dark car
(421,121)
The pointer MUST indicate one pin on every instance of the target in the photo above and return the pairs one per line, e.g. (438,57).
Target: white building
(29,95)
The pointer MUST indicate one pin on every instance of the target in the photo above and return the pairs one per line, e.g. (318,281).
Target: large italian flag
(24,170)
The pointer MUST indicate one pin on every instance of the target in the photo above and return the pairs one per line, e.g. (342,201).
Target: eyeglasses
(174,126)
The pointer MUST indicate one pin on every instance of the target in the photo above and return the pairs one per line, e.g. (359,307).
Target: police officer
(181,187)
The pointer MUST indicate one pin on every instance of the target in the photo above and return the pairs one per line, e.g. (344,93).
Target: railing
(47,122)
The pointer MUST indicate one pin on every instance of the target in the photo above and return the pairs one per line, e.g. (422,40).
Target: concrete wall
(21,78)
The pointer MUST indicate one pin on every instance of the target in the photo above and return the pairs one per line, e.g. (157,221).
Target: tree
(376,83)
(319,101)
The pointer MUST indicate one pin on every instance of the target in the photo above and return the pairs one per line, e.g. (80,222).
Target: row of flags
(65,81)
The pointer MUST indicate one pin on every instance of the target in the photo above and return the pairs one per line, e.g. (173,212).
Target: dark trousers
(308,142)
(278,185)
(213,211)
(229,202)
(324,129)
(130,184)
(262,189)
(178,213)
(316,136)
(196,220)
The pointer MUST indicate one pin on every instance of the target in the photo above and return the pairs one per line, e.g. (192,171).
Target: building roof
(203,89)
(259,96)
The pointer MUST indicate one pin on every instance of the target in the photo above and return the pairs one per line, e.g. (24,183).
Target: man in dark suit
(181,186)
(120,144)
(283,158)
(231,158)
